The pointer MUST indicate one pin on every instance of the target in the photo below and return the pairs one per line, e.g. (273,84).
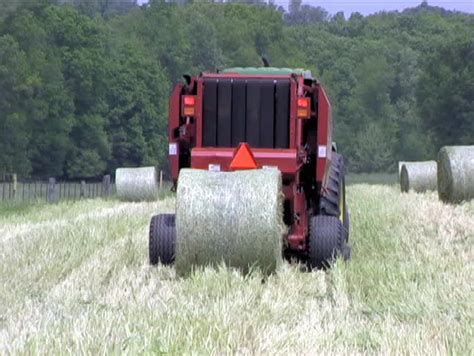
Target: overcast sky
(370,6)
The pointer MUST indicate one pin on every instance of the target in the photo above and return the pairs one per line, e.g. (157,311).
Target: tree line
(84,85)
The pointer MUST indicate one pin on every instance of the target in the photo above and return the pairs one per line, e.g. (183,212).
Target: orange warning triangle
(243,158)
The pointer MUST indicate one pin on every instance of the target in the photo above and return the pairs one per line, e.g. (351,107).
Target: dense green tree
(300,14)
(446,92)
(84,88)
(15,92)
(81,42)
(137,97)
(103,7)
(49,111)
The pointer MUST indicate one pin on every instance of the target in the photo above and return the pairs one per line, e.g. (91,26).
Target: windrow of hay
(456,173)
(86,287)
(418,176)
(230,217)
(137,184)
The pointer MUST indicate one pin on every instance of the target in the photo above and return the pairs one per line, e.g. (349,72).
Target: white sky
(370,6)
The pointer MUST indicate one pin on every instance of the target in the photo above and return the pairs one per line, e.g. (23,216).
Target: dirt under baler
(255,118)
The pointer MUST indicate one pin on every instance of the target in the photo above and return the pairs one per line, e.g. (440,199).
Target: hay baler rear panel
(212,114)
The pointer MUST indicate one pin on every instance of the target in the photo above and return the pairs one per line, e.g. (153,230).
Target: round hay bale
(456,174)
(418,176)
(230,217)
(136,184)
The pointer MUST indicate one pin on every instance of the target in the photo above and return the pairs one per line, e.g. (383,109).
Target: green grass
(8,208)
(372,178)
(75,279)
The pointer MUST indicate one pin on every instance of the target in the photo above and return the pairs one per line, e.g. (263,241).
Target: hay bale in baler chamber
(136,184)
(456,173)
(230,217)
(418,176)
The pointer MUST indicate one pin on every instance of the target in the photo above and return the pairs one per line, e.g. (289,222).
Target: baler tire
(162,242)
(347,253)
(326,241)
(330,199)
(346,223)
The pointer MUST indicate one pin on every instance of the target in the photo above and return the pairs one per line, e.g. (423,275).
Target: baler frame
(302,189)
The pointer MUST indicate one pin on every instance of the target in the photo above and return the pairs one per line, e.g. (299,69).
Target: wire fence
(52,191)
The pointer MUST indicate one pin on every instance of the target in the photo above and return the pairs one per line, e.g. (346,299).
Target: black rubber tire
(330,197)
(346,223)
(330,201)
(162,243)
(347,252)
(326,241)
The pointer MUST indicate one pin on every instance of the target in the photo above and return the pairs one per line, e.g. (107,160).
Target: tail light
(304,108)
(188,105)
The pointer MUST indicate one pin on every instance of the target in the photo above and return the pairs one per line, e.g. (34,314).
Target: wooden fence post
(82,194)
(106,185)
(161,179)
(53,196)
(15,184)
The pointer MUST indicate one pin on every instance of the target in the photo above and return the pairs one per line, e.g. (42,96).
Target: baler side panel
(173,127)
(255,110)
(324,137)
(293,115)
(239,94)
(267,124)
(209,125)
(282,123)
(253,113)
(224,113)
(199,111)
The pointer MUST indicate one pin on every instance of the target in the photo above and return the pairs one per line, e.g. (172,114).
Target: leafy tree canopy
(84,85)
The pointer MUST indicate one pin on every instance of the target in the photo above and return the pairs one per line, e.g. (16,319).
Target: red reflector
(243,158)
(303,103)
(188,111)
(189,100)
(304,108)
(303,114)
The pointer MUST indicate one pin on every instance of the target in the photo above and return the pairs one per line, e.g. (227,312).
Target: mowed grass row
(75,278)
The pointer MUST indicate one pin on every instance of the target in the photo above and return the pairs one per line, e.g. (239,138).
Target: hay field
(74,278)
